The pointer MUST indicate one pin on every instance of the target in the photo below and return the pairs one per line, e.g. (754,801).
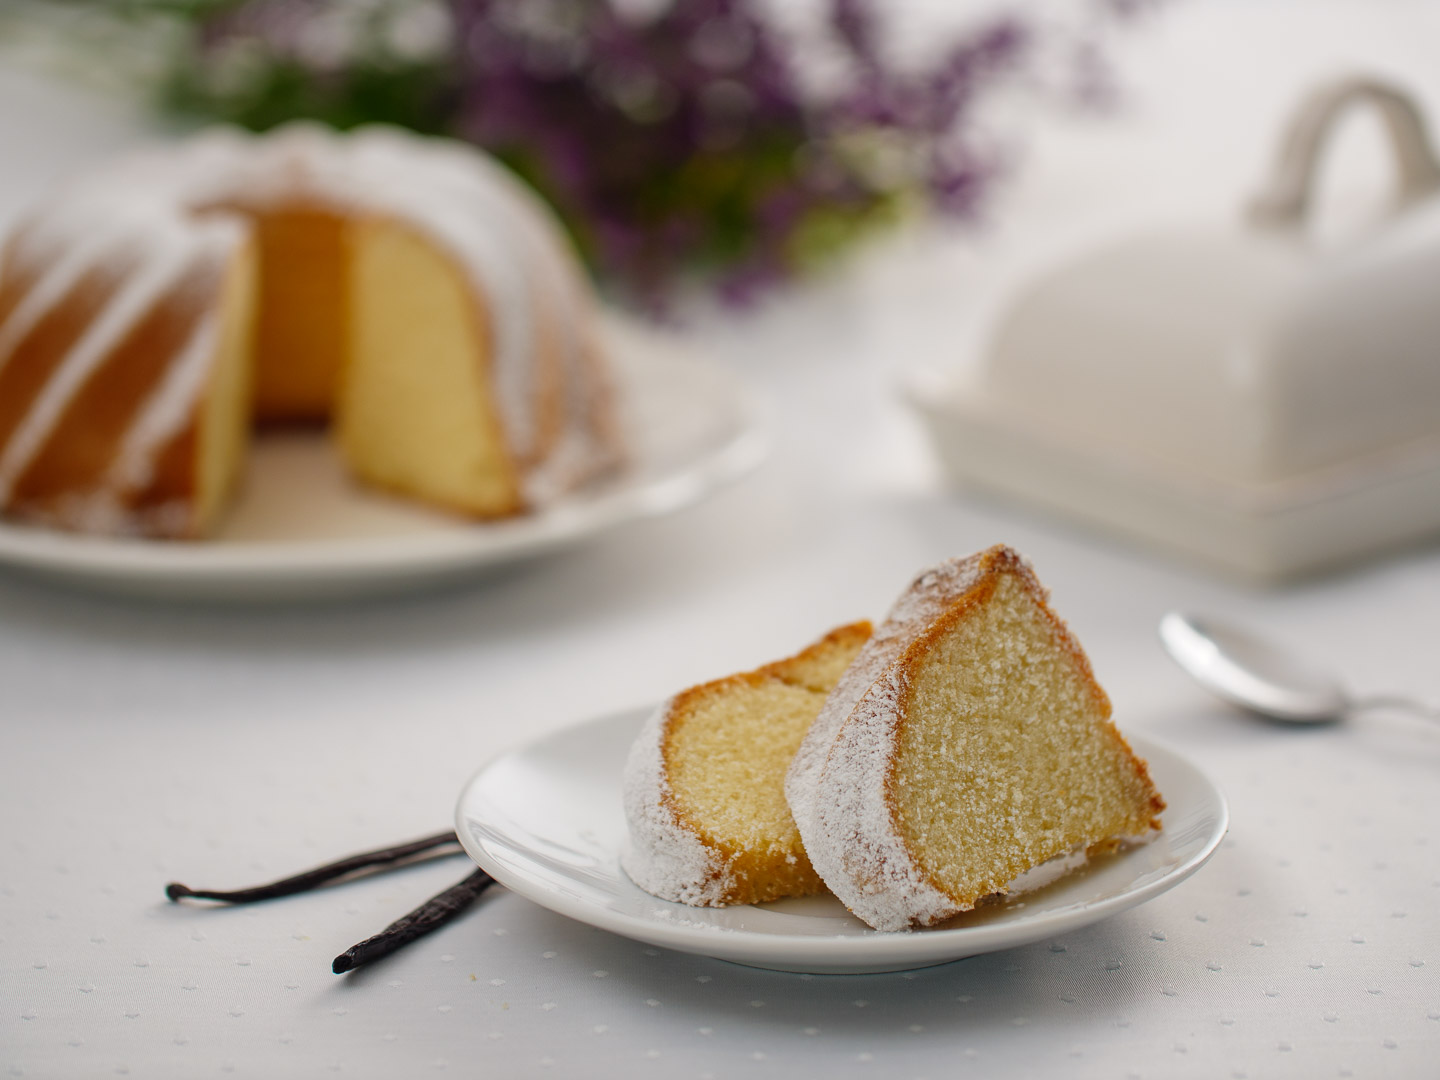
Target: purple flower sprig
(683,142)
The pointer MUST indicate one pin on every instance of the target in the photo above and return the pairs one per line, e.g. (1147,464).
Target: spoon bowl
(1252,674)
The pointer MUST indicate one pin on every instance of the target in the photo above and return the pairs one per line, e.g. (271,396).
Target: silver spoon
(1260,678)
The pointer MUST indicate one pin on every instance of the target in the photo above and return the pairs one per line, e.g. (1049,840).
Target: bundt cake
(704,783)
(408,290)
(967,743)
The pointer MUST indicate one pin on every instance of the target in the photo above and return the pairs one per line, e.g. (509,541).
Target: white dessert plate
(302,530)
(546,821)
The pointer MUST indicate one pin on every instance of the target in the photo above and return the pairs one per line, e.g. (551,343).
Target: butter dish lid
(1246,353)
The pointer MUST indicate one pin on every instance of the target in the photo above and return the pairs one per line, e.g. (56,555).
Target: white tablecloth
(143,744)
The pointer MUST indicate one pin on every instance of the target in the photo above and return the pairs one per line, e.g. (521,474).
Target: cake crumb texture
(704,784)
(981,748)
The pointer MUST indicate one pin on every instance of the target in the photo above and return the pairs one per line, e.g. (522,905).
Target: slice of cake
(967,744)
(704,783)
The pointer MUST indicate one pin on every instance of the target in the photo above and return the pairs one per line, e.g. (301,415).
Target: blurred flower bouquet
(680,140)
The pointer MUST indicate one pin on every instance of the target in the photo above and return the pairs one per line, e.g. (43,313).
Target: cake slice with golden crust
(967,744)
(704,783)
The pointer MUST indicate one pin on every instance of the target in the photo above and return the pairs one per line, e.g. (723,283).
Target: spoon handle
(1396,701)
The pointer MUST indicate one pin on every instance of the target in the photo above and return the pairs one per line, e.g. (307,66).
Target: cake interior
(1007,756)
(224,429)
(726,754)
(414,413)
(301,322)
(366,324)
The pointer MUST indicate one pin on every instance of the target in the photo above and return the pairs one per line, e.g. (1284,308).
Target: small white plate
(301,529)
(546,821)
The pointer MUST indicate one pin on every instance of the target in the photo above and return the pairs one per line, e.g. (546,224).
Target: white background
(141,744)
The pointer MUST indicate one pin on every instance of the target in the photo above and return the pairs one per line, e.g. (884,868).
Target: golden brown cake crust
(844,787)
(80,469)
(677,855)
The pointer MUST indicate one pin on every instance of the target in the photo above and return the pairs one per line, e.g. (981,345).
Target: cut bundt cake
(704,783)
(967,744)
(408,290)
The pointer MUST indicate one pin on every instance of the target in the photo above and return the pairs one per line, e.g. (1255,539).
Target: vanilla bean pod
(435,912)
(384,857)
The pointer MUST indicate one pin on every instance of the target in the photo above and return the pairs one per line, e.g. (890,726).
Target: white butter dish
(1238,395)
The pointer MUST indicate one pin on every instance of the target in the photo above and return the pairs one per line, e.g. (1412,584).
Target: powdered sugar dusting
(665,858)
(62,260)
(172,249)
(836,785)
(179,390)
(921,604)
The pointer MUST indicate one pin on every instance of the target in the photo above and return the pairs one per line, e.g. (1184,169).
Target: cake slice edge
(673,855)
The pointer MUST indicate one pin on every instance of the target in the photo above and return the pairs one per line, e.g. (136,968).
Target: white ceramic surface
(1247,393)
(302,529)
(546,821)
(1250,351)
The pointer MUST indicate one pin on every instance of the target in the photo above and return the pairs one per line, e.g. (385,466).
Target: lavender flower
(677,144)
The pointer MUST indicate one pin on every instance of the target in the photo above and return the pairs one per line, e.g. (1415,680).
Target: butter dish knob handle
(1285,201)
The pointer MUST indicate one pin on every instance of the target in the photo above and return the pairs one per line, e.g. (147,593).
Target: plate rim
(889,950)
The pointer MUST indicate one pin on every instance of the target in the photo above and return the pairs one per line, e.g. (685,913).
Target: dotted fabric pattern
(142,743)
(1307,947)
